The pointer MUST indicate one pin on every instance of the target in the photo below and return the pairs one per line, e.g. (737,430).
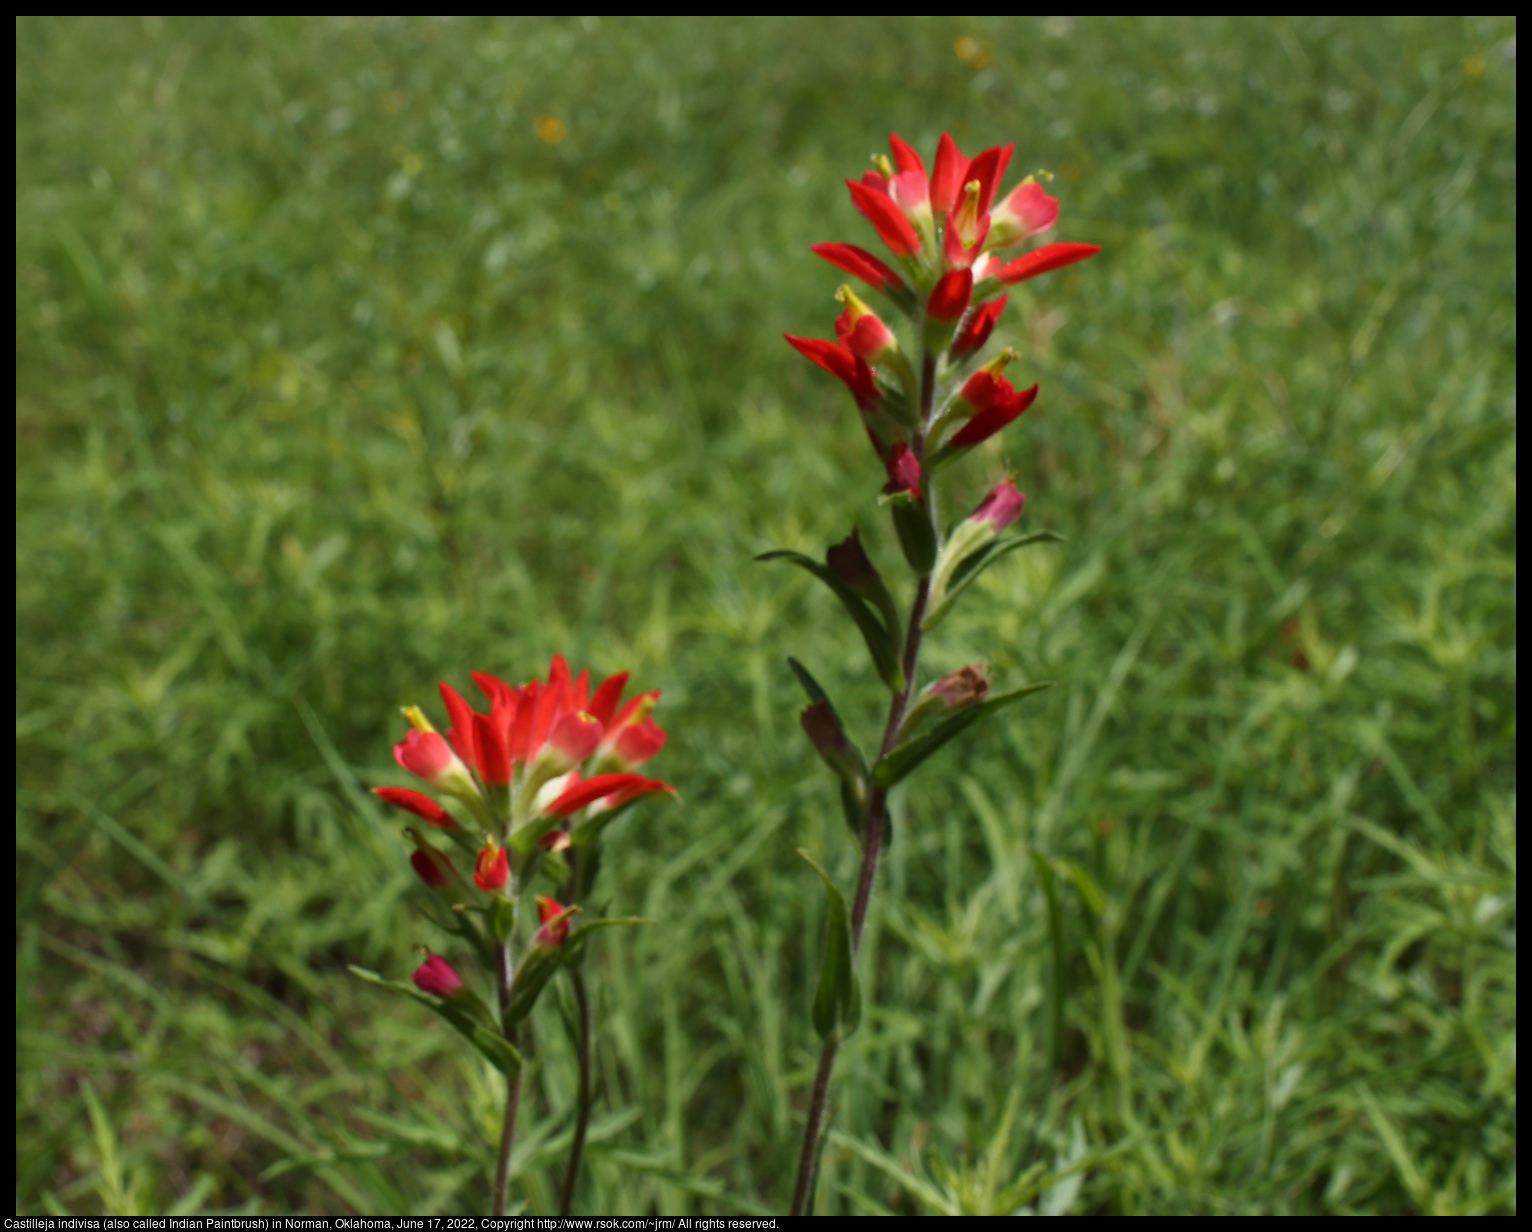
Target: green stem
(877,810)
(505,968)
(582,1047)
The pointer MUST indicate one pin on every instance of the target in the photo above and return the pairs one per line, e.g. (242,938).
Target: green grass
(335,379)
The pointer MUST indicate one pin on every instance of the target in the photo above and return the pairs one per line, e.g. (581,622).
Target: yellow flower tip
(550,128)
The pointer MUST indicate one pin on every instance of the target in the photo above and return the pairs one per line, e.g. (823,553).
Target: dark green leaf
(1056,966)
(838,999)
(468,1016)
(882,647)
(903,759)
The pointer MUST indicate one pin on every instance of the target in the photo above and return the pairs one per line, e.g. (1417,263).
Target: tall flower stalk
(537,778)
(924,403)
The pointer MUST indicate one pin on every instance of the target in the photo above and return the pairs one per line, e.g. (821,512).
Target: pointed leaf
(903,759)
(819,697)
(838,999)
(574,944)
(467,1017)
(532,975)
(885,654)
(854,808)
(975,563)
(1045,875)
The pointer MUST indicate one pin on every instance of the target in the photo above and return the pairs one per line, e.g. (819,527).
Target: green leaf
(905,757)
(975,563)
(540,963)
(820,698)
(574,944)
(882,646)
(838,999)
(854,807)
(532,976)
(917,536)
(468,1016)
(1046,875)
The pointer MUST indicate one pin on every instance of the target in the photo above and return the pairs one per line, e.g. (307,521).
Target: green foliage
(837,1010)
(354,354)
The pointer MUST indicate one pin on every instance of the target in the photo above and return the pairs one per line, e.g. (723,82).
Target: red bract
(611,790)
(1025,212)
(838,361)
(976,330)
(1041,260)
(892,226)
(550,934)
(422,806)
(949,298)
(860,263)
(1004,405)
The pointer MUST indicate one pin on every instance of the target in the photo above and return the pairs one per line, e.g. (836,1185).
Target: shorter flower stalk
(536,776)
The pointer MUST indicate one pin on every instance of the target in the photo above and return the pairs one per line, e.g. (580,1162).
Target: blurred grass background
(355,354)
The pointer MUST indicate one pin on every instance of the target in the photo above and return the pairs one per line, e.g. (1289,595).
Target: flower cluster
(948,233)
(543,753)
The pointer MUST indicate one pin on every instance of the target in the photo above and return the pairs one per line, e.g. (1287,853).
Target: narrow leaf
(466,1014)
(819,697)
(574,944)
(1046,876)
(904,758)
(975,563)
(838,999)
(885,654)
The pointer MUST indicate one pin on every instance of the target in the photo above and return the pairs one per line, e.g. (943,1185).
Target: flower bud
(492,869)
(957,690)
(553,931)
(436,977)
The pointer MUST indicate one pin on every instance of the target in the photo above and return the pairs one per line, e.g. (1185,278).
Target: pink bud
(436,977)
(1000,508)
